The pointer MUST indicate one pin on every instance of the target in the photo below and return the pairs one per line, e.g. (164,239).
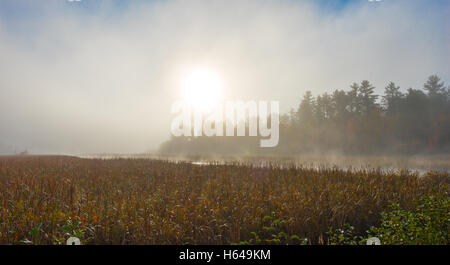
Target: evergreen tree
(392,98)
(354,106)
(367,98)
(305,111)
(434,87)
(323,108)
(341,103)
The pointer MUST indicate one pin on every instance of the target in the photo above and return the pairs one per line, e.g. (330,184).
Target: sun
(202,89)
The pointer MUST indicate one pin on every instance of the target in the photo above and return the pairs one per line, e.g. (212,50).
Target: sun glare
(202,88)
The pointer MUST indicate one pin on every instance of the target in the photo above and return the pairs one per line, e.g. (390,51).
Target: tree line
(356,121)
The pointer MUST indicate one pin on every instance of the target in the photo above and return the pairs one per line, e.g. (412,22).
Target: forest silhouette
(356,121)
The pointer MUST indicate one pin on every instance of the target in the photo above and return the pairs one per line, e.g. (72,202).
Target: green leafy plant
(273,232)
(344,236)
(427,224)
(34,233)
(71,229)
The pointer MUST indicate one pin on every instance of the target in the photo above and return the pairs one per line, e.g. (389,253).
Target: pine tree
(341,103)
(354,106)
(434,87)
(392,98)
(323,108)
(305,111)
(367,97)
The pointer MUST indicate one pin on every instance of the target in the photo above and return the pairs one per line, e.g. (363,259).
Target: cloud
(101,78)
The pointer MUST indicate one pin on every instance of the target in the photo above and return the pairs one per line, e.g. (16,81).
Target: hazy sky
(100,76)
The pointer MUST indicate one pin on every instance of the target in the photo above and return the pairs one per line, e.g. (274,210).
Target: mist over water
(420,164)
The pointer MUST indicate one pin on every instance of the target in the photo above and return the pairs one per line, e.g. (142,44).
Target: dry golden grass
(142,201)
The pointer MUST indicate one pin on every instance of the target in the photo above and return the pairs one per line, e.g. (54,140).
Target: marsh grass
(143,201)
